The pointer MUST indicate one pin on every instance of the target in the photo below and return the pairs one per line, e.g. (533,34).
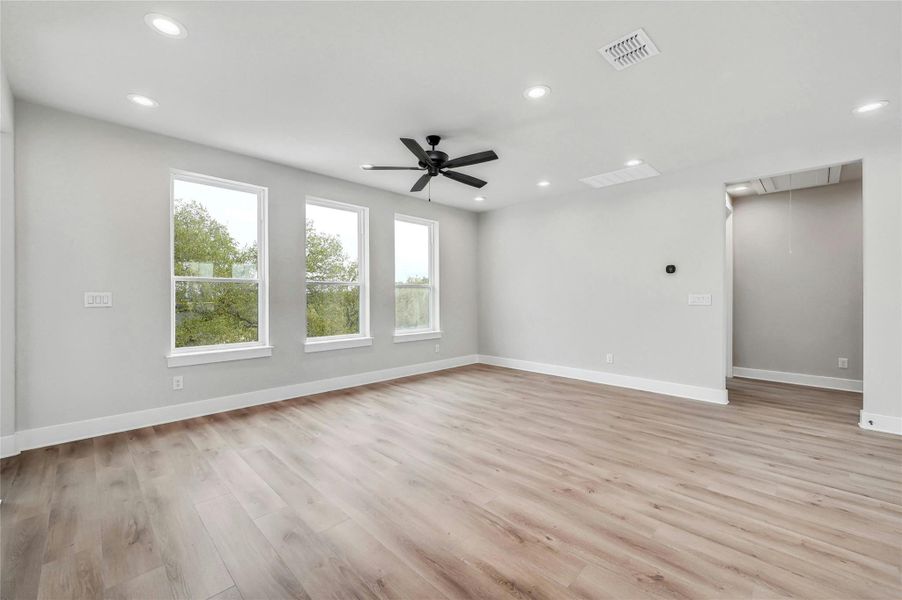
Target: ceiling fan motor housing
(437,157)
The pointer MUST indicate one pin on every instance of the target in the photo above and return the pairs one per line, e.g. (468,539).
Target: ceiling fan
(435,163)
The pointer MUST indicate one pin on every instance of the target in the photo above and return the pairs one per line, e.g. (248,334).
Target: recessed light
(165,25)
(366,167)
(479,198)
(143,101)
(870,107)
(537,91)
(634,162)
(544,183)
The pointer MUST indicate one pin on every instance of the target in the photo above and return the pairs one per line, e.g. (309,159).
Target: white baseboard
(8,446)
(884,423)
(693,392)
(830,383)
(70,432)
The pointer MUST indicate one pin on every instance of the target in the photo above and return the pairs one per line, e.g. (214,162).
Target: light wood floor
(477,482)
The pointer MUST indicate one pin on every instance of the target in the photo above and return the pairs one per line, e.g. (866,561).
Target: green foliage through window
(414,288)
(208,313)
(204,247)
(332,308)
(212,313)
(412,306)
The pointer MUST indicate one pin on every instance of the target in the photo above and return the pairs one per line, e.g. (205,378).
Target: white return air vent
(643,171)
(629,50)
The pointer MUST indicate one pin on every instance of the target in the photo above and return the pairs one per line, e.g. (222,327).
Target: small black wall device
(671,269)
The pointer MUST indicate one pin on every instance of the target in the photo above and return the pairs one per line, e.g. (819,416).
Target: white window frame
(433,331)
(195,355)
(354,340)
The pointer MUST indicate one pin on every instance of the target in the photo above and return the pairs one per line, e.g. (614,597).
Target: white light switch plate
(98,299)
(699,299)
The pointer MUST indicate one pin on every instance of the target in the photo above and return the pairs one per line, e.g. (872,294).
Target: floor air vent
(629,50)
(643,171)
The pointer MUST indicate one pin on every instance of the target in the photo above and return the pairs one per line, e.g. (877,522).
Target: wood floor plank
(112,451)
(128,543)
(459,565)
(256,568)
(315,509)
(74,522)
(244,483)
(321,570)
(29,488)
(192,564)
(230,594)
(24,544)
(188,469)
(471,482)
(387,575)
(76,450)
(74,576)
(152,585)
(148,459)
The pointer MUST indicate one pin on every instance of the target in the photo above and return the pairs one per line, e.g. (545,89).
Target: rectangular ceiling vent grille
(629,50)
(643,171)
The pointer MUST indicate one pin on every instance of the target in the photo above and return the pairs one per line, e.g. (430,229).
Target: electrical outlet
(609,358)
(842,363)
(177,382)
(438,348)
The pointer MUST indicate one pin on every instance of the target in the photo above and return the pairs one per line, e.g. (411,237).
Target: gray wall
(798,311)
(93,214)
(567,281)
(7,262)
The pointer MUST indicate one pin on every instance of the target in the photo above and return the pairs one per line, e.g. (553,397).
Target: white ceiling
(329,86)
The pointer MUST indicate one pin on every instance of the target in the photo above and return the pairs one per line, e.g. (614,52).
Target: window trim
(194,355)
(434,330)
(354,340)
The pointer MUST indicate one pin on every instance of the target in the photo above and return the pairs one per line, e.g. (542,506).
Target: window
(416,279)
(219,296)
(337,273)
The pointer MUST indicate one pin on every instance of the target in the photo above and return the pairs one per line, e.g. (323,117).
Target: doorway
(793,280)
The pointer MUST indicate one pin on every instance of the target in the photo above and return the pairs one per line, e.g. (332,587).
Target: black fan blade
(417,150)
(393,169)
(471,159)
(421,183)
(476,183)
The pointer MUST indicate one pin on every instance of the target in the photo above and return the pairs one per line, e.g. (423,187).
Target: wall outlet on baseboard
(842,363)
(609,358)
(438,348)
(177,382)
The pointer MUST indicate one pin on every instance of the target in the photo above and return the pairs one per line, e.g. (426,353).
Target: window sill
(187,359)
(417,336)
(326,345)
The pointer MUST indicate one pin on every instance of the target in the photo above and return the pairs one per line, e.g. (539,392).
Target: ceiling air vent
(643,171)
(629,50)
